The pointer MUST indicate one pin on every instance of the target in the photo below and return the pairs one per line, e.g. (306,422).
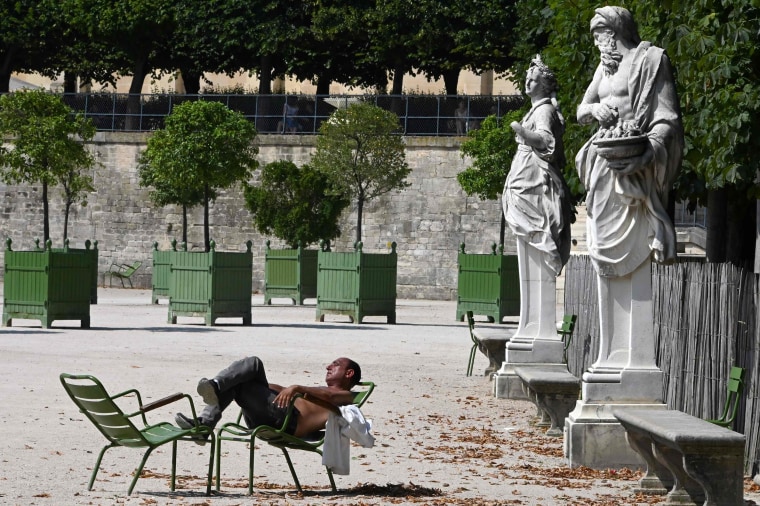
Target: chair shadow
(390,490)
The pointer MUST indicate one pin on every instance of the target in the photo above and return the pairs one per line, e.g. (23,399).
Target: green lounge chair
(101,409)
(733,397)
(277,437)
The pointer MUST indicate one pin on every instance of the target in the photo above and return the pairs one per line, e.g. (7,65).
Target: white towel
(340,430)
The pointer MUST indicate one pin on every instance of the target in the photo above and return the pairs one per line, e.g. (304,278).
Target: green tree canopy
(204,147)
(31,35)
(294,204)
(47,148)
(360,151)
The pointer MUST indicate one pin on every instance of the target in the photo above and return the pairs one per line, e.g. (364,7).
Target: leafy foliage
(31,35)
(713,48)
(203,148)
(48,147)
(361,153)
(491,149)
(294,204)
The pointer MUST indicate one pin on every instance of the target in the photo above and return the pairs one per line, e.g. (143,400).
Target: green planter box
(161,270)
(46,284)
(357,284)
(290,274)
(488,284)
(92,255)
(211,285)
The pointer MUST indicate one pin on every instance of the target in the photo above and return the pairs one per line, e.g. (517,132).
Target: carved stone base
(544,352)
(594,438)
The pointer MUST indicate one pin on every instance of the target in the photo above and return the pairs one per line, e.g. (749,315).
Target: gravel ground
(441,437)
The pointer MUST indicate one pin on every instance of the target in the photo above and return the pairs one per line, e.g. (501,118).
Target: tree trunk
(359,209)
(45,213)
(192,81)
(5,82)
(398,80)
(740,244)
(323,85)
(184,223)
(206,234)
(142,67)
(265,75)
(397,102)
(69,82)
(66,209)
(756,268)
(715,247)
(451,81)
(502,229)
(6,69)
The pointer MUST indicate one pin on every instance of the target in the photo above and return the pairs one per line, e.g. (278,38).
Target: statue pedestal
(536,340)
(522,352)
(593,436)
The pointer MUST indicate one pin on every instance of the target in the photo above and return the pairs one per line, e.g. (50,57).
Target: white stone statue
(627,167)
(537,204)
(632,96)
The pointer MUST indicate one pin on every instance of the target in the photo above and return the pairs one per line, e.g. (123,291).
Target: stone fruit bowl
(620,148)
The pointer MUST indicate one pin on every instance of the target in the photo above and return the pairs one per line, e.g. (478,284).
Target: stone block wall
(428,220)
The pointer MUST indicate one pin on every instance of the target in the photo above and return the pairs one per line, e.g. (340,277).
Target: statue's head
(619,21)
(609,26)
(543,74)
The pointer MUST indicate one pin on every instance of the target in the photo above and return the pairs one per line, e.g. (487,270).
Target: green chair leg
(292,469)
(97,466)
(174,467)
(471,363)
(250,469)
(218,463)
(210,464)
(138,471)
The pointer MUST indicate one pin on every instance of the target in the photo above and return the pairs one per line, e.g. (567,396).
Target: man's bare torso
(613,89)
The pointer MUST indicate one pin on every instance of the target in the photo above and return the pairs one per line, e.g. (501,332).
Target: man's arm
(591,107)
(331,395)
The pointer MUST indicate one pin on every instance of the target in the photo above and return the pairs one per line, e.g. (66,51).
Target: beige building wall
(469,84)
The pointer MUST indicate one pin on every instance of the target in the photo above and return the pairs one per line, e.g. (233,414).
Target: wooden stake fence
(705,321)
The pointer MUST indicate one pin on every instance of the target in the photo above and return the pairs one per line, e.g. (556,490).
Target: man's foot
(208,390)
(185,422)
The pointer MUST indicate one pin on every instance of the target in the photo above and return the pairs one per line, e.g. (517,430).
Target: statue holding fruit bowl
(621,146)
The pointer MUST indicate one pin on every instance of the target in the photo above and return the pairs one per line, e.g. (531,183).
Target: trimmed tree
(294,204)
(204,147)
(47,148)
(361,153)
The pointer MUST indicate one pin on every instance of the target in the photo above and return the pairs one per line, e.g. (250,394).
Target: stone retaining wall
(428,220)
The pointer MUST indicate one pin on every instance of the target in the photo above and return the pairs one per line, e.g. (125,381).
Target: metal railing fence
(686,218)
(424,115)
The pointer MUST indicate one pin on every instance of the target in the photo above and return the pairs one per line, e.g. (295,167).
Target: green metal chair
(733,397)
(101,409)
(277,437)
(475,342)
(565,329)
(122,272)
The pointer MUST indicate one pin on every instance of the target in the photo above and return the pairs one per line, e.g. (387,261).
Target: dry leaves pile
(473,445)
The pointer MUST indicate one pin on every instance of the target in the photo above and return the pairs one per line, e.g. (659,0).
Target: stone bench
(493,343)
(553,389)
(690,459)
